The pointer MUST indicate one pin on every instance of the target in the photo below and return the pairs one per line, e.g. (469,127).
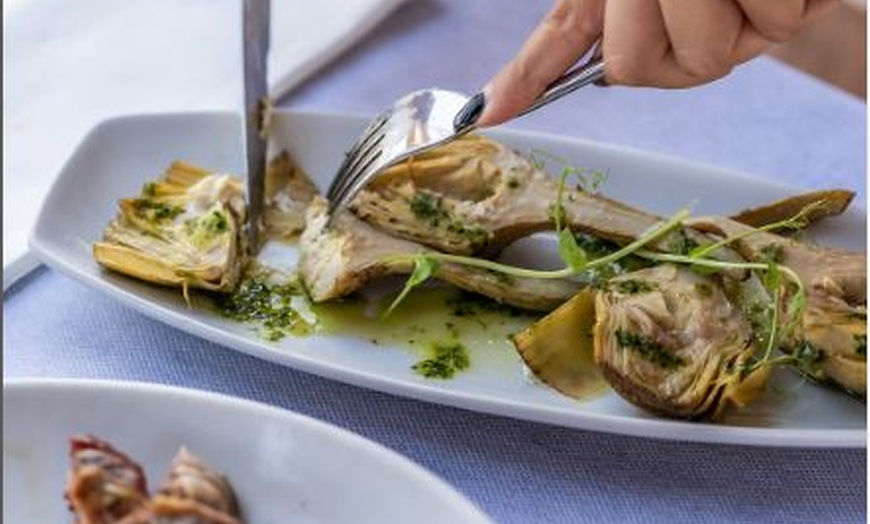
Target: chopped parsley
(215,222)
(154,211)
(448,358)
(681,244)
(149,190)
(430,208)
(206,228)
(474,234)
(427,206)
(270,306)
(861,345)
(703,289)
(648,348)
(633,286)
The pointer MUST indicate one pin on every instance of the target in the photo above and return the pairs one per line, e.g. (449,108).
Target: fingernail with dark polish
(468,115)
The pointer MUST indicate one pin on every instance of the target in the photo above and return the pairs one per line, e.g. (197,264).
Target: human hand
(654,43)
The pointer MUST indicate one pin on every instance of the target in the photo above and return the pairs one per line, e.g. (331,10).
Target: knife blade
(255,34)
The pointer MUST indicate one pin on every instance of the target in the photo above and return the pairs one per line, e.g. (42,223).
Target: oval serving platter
(118,156)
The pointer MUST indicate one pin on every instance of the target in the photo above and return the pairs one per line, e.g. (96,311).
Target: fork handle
(588,73)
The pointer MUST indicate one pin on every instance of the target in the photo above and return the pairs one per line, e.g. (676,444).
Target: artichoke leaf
(828,202)
(558,348)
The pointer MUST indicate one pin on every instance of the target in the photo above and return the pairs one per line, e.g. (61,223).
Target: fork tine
(349,168)
(358,173)
(372,131)
(373,146)
(415,122)
(367,169)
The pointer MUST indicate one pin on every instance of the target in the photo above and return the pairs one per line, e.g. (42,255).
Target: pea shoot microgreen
(786,292)
(574,256)
(424,267)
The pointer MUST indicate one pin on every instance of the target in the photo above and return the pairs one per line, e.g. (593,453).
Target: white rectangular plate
(120,155)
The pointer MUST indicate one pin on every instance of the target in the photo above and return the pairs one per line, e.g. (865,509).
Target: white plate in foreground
(120,155)
(283,466)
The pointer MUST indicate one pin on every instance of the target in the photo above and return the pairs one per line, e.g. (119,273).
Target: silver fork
(425,119)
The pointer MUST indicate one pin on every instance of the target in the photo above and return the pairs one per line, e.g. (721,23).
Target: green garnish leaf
(588,180)
(424,267)
(796,222)
(571,252)
(681,244)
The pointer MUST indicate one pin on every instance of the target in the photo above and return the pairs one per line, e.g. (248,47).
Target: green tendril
(774,275)
(796,222)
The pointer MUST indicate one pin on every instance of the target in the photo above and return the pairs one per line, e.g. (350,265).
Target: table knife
(255,20)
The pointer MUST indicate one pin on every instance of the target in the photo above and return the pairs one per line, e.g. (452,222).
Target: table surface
(765,119)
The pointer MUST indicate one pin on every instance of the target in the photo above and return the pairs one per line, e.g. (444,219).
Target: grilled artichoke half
(832,335)
(671,341)
(834,329)
(184,230)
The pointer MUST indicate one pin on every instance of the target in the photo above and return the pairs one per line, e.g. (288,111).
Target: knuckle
(574,19)
(779,31)
(584,29)
(704,65)
(623,70)
(527,79)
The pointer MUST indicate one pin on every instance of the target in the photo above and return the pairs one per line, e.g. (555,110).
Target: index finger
(567,32)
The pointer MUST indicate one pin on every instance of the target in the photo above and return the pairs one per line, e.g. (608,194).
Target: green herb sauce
(681,244)
(648,349)
(474,234)
(430,317)
(703,289)
(633,286)
(206,228)
(271,307)
(430,208)
(156,211)
(427,206)
(447,359)
(149,190)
